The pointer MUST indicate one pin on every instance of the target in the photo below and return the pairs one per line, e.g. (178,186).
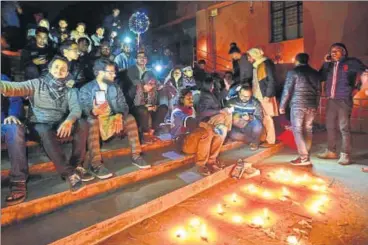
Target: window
(286,20)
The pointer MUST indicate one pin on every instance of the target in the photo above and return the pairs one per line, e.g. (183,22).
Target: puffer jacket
(114,96)
(208,106)
(302,88)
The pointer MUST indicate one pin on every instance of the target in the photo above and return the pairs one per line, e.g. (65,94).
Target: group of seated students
(87,97)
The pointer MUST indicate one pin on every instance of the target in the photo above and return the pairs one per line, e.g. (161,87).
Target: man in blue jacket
(13,134)
(339,74)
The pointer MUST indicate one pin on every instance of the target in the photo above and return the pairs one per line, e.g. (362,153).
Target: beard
(106,80)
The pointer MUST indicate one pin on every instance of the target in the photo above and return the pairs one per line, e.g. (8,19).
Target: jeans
(14,136)
(338,112)
(144,117)
(251,133)
(302,124)
(46,133)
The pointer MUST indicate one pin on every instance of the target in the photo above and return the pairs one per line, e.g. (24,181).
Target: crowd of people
(88,89)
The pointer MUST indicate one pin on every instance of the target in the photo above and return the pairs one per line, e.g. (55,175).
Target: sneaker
(300,162)
(18,193)
(344,159)
(250,172)
(101,172)
(84,174)
(204,170)
(140,162)
(75,183)
(328,155)
(253,146)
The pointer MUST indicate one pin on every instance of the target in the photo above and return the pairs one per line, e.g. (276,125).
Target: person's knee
(258,127)
(163,108)
(14,131)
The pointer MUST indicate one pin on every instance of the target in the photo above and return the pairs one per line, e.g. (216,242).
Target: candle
(265,213)
(258,221)
(285,192)
(237,219)
(292,240)
(181,233)
(233,197)
(220,210)
(203,233)
(195,223)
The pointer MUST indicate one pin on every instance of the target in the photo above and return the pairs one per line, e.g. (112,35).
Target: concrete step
(50,193)
(40,163)
(94,219)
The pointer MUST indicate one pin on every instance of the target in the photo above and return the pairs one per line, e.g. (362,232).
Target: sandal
(365,170)
(18,193)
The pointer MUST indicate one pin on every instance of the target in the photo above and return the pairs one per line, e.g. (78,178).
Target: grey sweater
(44,108)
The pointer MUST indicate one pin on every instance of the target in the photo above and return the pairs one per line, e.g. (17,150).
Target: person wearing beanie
(242,68)
(339,73)
(147,110)
(264,89)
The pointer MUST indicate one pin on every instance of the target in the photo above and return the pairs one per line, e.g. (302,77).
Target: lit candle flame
(237,219)
(233,197)
(285,191)
(252,188)
(181,233)
(265,213)
(195,223)
(258,221)
(267,194)
(220,210)
(203,233)
(292,240)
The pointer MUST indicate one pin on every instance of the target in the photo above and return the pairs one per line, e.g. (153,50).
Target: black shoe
(101,172)
(140,162)
(300,162)
(84,174)
(75,183)
(18,193)
(204,170)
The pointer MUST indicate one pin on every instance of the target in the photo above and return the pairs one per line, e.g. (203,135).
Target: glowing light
(265,213)
(158,68)
(234,197)
(305,177)
(285,192)
(324,198)
(258,221)
(127,40)
(292,240)
(204,233)
(181,233)
(252,188)
(195,223)
(320,180)
(220,210)
(267,194)
(320,188)
(237,219)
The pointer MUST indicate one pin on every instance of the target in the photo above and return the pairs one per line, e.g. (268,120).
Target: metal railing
(215,62)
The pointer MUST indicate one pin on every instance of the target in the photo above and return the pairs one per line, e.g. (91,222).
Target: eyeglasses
(110,72)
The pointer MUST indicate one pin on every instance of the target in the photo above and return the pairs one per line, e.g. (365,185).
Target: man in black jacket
(339,72)
(301,89)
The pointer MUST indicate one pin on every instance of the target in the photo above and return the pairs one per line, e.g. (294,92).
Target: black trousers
(46,133)
(143,117)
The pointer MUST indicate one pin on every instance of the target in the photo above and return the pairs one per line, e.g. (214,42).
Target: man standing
(61,33)
(264,89)
(301,89)
(242,68)
(247,117)
(112,22)
(56,115)
(339,73)
(104,104)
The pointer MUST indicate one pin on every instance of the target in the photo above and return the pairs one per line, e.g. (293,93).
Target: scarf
(187,110)
(57,87)
(258,55)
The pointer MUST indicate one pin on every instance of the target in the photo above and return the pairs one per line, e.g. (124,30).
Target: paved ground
(340,220)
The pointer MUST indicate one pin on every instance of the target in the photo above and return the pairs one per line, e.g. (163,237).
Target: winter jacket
(245,70)
(143,98)
(347,69)
(302,88)
(123,62)
(31,51)
(252,107)
(179,119)
(12,106)
(266,78)
(114,96)
(45,109)
(208,106)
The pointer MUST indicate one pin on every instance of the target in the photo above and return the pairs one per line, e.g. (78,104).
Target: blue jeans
(251,133)
(14,137)
(302,124)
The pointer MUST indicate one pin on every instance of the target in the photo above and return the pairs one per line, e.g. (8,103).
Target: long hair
(182,94)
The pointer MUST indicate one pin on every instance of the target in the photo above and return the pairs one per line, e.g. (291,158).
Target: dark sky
(93,12)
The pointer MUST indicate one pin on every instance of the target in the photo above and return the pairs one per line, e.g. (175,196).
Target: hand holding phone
(100,97)
(328,58)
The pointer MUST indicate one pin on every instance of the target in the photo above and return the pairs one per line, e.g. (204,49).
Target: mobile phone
(100,97)
(329,57)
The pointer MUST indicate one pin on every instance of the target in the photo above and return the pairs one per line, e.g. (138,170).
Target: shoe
(328,155)
(219,164)
(300,162)
(18,193)
(75,183)
(204,170)
(250,172)
(140,162)
(213,167)
(101,172)
(344,159)
(253,147)
(84,174)
(266,145)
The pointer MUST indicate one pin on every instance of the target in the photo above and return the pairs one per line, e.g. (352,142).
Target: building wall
(329,22)
(235,23)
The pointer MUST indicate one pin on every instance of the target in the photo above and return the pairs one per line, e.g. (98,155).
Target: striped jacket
(252,107)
